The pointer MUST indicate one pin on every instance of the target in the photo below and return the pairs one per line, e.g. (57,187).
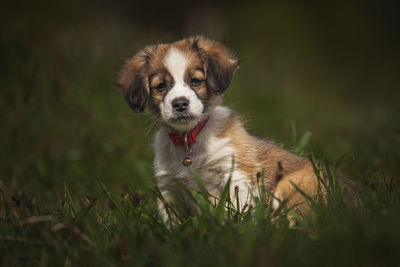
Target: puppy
(181,84)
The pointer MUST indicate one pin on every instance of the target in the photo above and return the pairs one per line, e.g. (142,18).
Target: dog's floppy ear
(133,79)
(220,63)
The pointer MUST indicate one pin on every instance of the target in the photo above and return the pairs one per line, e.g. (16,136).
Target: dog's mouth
(182,118)
(183,122)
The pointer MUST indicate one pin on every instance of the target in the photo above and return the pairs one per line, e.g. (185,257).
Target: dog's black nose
(180,104)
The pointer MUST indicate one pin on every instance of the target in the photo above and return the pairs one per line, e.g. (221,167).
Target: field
(76,177)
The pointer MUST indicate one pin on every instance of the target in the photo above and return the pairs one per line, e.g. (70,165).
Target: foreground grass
(111,229)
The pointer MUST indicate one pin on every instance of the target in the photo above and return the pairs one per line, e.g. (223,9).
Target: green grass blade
(303,143)
(67,197)
(168,208)
(220,209)
(110,197)
(84,211)
(304,194)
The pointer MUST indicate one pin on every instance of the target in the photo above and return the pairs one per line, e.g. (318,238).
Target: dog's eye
(195,82)
(161,86)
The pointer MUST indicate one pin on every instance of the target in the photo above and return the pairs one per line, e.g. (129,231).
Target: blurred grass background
(328,68)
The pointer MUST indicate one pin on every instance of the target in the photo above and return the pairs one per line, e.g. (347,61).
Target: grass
(76,177)
(111,229)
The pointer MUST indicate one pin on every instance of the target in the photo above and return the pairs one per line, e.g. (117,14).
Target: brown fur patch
(220,63)
(306,180)
(254,155)
(195,69)
(133,79)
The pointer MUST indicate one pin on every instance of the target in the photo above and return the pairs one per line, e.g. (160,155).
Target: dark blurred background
(328,68)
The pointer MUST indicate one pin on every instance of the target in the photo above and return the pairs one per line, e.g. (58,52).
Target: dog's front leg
(165,209)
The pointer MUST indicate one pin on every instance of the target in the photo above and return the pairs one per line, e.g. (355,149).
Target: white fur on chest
(212,159)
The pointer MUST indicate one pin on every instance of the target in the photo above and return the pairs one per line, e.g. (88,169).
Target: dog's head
(180,82)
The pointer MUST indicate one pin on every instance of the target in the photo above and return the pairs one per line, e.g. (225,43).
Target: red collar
(179,140)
